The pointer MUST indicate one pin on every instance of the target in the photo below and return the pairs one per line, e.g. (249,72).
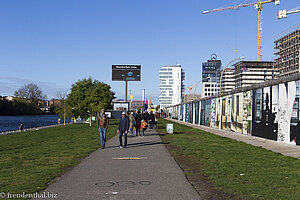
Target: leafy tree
(89,96)
(18,107)
(157,108)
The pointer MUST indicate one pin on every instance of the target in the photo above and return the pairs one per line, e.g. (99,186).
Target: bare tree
(30,91)
(63,110)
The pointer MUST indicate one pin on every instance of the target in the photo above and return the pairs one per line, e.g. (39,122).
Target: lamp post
(239,58)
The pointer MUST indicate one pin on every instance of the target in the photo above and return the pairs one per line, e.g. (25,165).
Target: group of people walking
(133,122)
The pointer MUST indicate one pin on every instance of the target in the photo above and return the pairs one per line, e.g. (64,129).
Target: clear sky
(55,43)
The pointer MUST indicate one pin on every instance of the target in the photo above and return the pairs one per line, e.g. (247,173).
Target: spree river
(11,123)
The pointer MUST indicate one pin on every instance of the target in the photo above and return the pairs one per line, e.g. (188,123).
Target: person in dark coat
(151,120)
(21,128)
(123,129)
(138,119)
(145,116)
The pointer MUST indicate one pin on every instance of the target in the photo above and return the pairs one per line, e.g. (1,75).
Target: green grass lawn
(30,160)
(267,175)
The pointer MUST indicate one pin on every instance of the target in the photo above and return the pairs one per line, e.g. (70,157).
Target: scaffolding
(287,48)
(247,73)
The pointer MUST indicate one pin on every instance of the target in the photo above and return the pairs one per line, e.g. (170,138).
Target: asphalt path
(144,170)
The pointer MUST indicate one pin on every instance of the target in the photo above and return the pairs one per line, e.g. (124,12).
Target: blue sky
(55,43)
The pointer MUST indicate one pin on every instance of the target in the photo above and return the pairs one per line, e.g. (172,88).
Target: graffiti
(287,94)
(207,112)
(226,112)
(213,113)
(271,112)
(196,117)
(187,113)
(247,112)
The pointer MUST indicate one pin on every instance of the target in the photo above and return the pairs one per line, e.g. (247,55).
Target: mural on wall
(181,113)
(264,119)
(212,113)
(288,128)
(202,113)
(207,112)
(217,112)
(295,118)
(196,112)
(187,112)
(272,112)
(247,112)
(191,113)
(236,112)
(226,113)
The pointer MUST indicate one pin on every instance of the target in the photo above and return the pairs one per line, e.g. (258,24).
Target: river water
(11,123)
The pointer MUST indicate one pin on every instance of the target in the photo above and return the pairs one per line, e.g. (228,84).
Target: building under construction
(247,73)
(287,46)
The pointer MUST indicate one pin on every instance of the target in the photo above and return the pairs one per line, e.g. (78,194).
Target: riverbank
(32,159)
(231,168)
(12,123)
(33,129)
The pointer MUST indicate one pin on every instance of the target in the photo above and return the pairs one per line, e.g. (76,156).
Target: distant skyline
(56,43)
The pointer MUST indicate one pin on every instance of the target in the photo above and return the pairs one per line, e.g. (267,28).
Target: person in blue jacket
(123,129)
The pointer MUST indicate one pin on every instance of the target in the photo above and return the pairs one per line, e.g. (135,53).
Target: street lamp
(239,58)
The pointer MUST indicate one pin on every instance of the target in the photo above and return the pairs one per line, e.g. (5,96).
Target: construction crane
(283,13)
(258,6)
(190,88)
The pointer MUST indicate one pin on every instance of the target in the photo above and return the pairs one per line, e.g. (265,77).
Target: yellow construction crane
(258,6)
(190,88)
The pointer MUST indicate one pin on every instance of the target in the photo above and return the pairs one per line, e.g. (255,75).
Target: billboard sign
(126,72)
(124,106)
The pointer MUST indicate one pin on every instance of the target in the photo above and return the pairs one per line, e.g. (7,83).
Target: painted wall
(271,112)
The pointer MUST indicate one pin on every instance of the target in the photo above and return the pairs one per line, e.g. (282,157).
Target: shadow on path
(139,144)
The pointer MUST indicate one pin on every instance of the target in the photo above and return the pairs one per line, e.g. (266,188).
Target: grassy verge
(30,160)
(234,167)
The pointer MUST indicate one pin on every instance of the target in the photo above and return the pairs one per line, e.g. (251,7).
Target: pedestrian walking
(144,125)
(156,119)
(102,125)
(131,123)
(138,119)
(123,129)
(145,116)
(151,120)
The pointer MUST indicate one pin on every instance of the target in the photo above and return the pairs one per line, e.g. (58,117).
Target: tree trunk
(90,120)
(64,116)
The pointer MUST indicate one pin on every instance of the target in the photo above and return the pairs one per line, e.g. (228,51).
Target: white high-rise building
(171,85)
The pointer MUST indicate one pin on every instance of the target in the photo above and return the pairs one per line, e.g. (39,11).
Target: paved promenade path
(279,147)
(144,170)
